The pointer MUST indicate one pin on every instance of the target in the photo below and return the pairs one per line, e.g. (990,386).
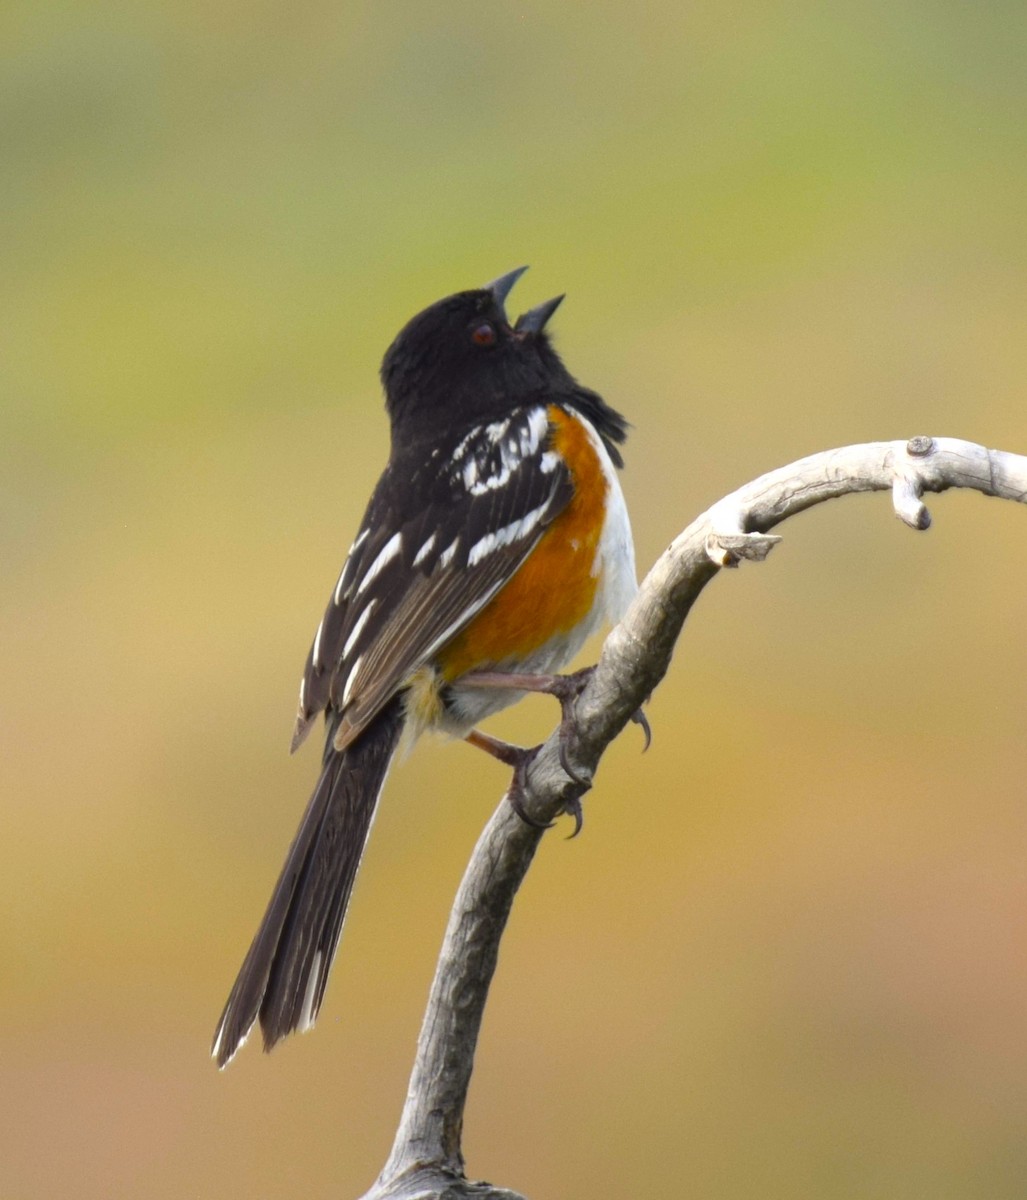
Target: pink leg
(520,759)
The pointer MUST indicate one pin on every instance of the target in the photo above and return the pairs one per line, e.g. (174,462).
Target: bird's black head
(460,360)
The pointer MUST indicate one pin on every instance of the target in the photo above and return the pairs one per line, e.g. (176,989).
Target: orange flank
(554,589)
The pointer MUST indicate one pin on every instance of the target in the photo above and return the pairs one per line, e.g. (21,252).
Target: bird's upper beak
(534,320)
(503,286)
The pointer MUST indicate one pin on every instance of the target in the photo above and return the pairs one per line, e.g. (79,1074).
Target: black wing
(439,539)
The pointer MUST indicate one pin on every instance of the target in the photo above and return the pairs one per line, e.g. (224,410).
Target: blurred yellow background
(787,956)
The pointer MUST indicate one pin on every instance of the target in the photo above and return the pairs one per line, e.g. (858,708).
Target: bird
(495,542)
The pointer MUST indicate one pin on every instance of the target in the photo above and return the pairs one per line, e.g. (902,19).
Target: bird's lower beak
(534,320)
(503,286)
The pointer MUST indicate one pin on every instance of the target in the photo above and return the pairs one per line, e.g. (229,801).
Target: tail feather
(283,977)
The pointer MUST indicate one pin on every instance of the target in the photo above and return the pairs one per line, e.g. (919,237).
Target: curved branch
(426,1159)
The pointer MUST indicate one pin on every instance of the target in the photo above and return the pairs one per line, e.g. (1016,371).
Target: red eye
(483,335)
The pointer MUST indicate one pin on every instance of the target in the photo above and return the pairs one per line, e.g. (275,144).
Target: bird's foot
(566,689)
(521,758)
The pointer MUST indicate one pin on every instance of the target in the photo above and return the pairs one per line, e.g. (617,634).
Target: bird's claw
(639,718)
(573,809)
(516,797)
(518,787)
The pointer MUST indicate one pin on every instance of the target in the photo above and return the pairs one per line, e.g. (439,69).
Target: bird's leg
(506,752)
(566,688)
(520,759)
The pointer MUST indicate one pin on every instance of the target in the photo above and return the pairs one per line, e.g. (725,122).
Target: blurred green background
(787,956)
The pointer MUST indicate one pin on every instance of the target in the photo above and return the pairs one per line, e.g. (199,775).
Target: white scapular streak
(471,476)
(538,426)
(519,445)
(489,484)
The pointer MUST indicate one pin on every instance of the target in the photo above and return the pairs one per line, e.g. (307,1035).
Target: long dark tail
(283,978)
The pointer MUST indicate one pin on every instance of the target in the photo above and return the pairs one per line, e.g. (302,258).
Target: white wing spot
(503,537)
(447,555)
(529,522)
(388,552)
(340,595)
(538,427)
(548,463)
(424,551)
(358,629)
(315,657)
(461,449)
(350,680)
(513,444)
(491,482)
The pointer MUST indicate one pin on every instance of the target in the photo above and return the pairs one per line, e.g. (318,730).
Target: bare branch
(426,1160)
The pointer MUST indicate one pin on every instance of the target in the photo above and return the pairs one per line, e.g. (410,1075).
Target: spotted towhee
(495,542)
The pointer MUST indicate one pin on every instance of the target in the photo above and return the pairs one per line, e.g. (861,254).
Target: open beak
(534,320)
(503,286)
